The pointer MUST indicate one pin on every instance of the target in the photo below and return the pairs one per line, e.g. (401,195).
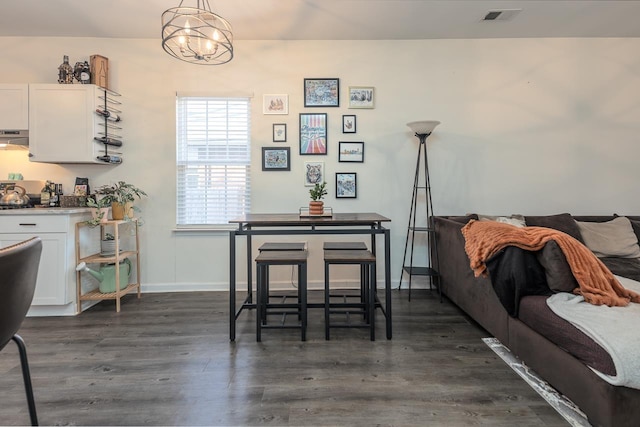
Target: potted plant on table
(122,196)
(316,205)
(100,205)
(108,245)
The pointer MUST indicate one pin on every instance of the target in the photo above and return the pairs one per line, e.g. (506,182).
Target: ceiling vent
(501,15)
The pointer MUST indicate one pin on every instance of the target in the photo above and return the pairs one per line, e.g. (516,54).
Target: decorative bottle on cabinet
(65,71)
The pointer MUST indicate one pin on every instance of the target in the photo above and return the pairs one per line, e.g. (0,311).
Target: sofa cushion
(625,267)
(462,219)
(556,268)
(562,222)
(614,238)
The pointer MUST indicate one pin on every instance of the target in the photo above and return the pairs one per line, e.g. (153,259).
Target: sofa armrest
(474,295)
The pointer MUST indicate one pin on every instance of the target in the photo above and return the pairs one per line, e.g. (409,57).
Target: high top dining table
(294,224)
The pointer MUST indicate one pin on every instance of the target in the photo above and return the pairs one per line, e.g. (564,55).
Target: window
(213,159)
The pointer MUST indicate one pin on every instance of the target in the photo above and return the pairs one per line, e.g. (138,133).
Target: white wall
(534,126)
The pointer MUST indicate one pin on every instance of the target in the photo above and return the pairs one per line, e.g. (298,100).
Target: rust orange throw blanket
(598,286)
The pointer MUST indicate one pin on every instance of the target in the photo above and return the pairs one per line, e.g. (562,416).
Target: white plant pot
(108,247)
(95,212)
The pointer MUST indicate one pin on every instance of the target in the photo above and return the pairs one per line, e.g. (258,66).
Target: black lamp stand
(431,268)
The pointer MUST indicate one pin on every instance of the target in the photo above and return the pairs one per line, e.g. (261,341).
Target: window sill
(204,229)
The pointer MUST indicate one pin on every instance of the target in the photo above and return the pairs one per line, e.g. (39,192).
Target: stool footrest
(281,327)
(349,325)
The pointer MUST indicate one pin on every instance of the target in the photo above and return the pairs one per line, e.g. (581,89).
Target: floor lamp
(422,129)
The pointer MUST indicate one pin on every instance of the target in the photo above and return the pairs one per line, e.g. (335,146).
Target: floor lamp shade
(423,127)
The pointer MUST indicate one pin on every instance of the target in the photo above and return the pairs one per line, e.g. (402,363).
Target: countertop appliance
(32,189)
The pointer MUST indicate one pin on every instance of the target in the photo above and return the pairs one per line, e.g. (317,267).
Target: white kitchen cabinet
(63,124)
(48,291)
(55,293)
(14,106)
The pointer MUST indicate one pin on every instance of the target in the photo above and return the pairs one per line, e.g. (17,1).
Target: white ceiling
(329,19)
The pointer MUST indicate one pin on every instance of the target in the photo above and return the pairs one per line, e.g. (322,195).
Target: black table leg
(232,285)
(249,270)
(387,280)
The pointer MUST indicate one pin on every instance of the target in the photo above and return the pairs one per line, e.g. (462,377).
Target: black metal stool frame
(279,246)
(263,305)
(351,246)
(368,274)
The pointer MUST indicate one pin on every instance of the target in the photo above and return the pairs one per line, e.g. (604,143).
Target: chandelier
(197,35)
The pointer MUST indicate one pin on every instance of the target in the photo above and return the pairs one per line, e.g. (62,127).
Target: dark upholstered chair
(18,273)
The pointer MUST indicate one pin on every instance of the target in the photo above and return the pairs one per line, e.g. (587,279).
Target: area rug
(565,407)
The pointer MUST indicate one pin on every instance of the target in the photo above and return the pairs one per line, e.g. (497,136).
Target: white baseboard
(280,285)
(313,285)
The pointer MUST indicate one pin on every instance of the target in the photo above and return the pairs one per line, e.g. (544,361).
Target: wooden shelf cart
(97,258)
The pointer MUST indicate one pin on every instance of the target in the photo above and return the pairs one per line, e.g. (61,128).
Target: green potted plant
(100,205)
(108,245)
(316,205)
(122,196)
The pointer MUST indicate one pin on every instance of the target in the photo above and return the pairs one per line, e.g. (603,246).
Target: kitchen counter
(44,211)
(55,293)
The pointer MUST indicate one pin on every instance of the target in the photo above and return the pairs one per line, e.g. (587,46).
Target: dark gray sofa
(604,404)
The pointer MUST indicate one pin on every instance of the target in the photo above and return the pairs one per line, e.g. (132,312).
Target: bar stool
(350,246)
(264,307)
(367,262)
(280,246)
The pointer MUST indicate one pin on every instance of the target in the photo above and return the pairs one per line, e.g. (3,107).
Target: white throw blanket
(616,329)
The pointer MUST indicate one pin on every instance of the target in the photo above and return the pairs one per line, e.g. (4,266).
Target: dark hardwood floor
(167,360)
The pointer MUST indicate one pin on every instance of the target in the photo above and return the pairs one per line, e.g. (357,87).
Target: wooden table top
(293,219)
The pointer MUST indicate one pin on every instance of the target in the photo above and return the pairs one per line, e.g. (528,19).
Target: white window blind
(213,159)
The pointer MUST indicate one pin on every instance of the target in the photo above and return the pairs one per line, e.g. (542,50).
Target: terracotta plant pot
(316,207)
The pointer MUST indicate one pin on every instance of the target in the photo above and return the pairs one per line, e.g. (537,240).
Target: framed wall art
(279,132)
(351,152)
(275,104)
(361,97)
(313,173)
(321,92)
(313,133)
(276,159)
(348,123)
(346,187)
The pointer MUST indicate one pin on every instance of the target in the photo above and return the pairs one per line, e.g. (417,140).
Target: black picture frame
(313,134)
(279,132)
(351,152)
(323,92)
(346,185)
(276,159)
(348,123)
